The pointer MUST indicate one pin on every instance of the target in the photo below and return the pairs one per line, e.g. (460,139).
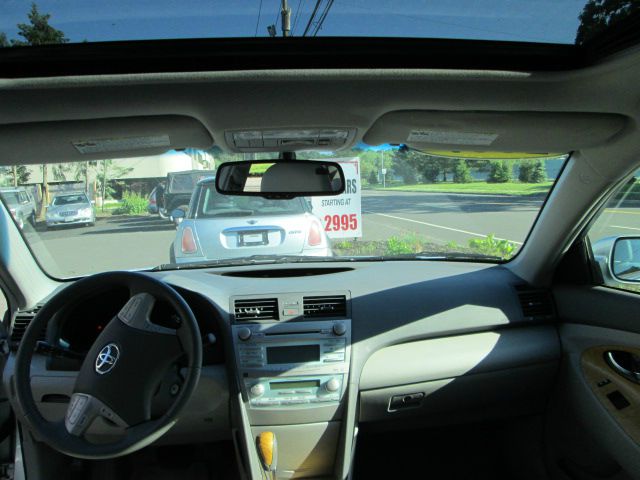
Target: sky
(552,21)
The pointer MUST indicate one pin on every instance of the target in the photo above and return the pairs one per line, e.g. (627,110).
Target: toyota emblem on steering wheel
(107,358)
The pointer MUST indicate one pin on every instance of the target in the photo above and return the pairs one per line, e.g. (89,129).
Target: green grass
(413,243)
(510,188)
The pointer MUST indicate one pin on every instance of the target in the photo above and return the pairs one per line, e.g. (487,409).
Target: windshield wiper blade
(258,260)
(435,255)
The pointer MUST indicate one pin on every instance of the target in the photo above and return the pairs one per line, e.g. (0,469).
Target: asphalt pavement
(130,242)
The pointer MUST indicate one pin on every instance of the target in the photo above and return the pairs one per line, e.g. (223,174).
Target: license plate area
(253,238)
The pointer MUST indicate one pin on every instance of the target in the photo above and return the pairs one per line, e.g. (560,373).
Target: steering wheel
(121,371)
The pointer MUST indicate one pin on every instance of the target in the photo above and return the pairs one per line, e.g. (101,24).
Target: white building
(134,168)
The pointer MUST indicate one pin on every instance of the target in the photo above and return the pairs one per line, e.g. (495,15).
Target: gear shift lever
(268,452)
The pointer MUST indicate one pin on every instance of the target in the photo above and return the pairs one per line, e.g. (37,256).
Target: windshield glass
(398,203)
(69,200)
(24,23)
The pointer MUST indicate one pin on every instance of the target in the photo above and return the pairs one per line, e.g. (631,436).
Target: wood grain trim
(596,370)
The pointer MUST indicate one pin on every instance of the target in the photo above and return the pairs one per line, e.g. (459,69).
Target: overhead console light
(290,139)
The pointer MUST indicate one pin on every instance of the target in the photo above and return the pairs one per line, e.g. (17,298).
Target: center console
(292,355)
(293,365)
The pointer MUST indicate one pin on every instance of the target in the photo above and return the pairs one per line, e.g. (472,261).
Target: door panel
(593,423)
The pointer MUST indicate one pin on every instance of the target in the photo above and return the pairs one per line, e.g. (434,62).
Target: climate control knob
(257,389)
(339,328)
(244,333)
(332,385)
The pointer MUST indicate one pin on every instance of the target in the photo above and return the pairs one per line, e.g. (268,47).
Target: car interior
(340,367)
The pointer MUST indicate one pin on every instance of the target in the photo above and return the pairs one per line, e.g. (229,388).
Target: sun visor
(495,131)
(77,140)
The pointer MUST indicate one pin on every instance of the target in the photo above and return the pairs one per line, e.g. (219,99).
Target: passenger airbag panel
(450,357)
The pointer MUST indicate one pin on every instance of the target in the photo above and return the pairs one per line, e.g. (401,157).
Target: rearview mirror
(625,259)
(280,178)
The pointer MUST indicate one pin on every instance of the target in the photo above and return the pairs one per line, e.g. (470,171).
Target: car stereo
(296,363)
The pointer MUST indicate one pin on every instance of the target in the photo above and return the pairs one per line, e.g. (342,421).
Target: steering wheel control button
(107,358)
(77,406)
(257,390)
(244,334)
(339,328)
(332,385)
(129,311)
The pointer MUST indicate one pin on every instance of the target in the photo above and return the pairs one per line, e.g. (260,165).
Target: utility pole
(286,19)
(383,171)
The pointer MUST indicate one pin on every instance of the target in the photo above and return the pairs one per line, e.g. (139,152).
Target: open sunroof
(84,37)
(564,22)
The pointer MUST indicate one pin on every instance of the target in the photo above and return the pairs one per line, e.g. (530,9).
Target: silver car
(219,226)
(21,205)
(70,209)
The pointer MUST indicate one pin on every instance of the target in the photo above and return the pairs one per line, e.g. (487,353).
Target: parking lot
(126,242)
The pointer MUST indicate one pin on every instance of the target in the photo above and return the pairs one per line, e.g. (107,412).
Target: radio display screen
(293,354)
(297,384)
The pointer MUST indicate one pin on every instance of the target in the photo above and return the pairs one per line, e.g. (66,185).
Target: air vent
(21,322)
(325,306)
(256,309)
(536,304)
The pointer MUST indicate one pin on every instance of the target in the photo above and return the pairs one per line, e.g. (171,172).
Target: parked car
(178,190)
(21,205)
(218,226)
(70,209)
(152,206)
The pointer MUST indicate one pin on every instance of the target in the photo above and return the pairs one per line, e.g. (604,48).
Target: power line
(295,19)
(313,14)
(421,19)
(258,21)
(275,24)
(323,17)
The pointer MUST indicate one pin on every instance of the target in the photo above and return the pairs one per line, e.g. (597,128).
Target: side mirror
(625,259)
(178,213)
(279,179)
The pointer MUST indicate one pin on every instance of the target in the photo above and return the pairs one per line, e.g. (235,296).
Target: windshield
(24,23)
(398,204)
(69,200)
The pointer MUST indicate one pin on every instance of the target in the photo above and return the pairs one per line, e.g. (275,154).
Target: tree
(524,171)
(598,16)
(404,167)
(19,175)
(532,171)
(461,172)
(107,172)
(38,31)
(538,172)
(82,172)
(500,172)
(373,177)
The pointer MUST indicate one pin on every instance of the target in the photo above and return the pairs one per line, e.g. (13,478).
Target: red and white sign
(341,215)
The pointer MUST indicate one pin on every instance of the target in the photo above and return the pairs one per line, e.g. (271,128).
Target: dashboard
(313,353)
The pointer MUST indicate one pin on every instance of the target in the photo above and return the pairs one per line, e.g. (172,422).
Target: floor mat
(211,461)
(197,471)
(508,451)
